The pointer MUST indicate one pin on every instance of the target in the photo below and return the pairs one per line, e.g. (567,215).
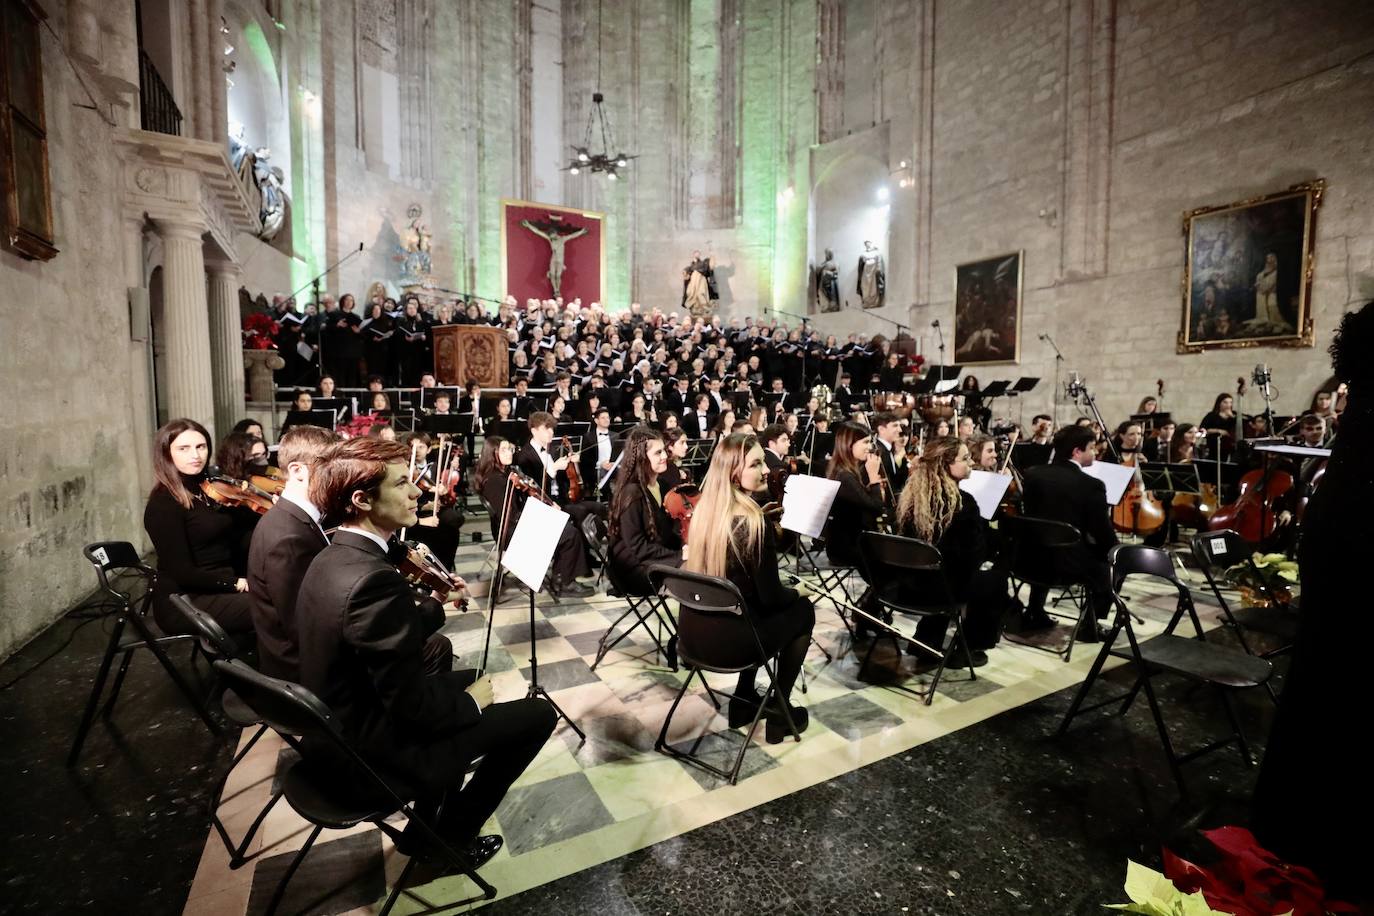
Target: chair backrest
(914,564)
(1215,551)
(1138,560)
(594,532)
(287,708)
(213,640)
(696,592)
(109,558)
(1035,543)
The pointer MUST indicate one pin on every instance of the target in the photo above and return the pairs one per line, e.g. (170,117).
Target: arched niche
(257,99)
(849,203)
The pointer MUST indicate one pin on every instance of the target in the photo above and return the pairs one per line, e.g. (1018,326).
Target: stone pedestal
(260,364)
(190,392)
(226,343)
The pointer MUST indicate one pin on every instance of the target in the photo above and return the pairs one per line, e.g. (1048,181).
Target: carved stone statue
(872,277)
(552,233)
(699,286)
(828,284)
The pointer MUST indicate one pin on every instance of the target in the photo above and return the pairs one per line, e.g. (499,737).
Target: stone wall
(73,462)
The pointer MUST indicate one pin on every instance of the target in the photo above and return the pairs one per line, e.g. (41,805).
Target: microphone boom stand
(314,287)
(1058,361)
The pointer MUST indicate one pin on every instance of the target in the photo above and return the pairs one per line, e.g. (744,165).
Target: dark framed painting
(1247,276)
(987,310)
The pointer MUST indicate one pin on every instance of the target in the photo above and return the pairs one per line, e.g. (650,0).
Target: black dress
(963,547)
(195,556)
(855,510)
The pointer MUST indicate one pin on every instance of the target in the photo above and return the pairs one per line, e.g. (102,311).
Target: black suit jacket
(695,429)
(896,476)
(362,634)
(1062,492)
(284,544)
(586,462)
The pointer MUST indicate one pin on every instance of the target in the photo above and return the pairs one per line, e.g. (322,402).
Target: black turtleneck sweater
(195,546)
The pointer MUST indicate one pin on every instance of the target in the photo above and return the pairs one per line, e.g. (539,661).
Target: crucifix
(550,231)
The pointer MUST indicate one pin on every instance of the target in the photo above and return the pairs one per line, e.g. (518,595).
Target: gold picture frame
(1247,271)
(987,326)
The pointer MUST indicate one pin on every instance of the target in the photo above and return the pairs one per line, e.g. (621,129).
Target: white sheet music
(946,385)
(806,503)
(987,490)
(1116,477)
(536,538)
(304,350)
(1301,451)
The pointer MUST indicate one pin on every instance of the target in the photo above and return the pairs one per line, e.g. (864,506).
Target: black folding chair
(710,596)
(594,533)
(217,645)
(647,610)
(912,582)
(312,785)
(1217,551)
(811,558)
(1035,544)
(1221,667)
(109,559)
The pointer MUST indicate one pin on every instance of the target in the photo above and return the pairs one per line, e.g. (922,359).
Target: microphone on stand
(935,323)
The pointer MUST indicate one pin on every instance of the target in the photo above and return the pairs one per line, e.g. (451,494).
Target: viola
(680,502)
(230,492)
(574,479)
(1253,515)
(423,568)
(271,484)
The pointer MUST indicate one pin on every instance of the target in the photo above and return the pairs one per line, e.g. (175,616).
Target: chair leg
(238,857)
(118,683)
(1087,684)
(88,715)
(196,702)
(663,732)
(234,851)
(1163,733)
(1235,727)
(291,871)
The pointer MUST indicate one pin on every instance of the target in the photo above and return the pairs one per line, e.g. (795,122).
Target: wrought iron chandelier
(600,159)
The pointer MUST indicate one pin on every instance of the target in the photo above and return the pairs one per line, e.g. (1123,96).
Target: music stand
(325,419)
(536,689)
(1024,384)
(994,390)
(740,400)
(427,396)
(448,424)
(698,452)
(571,429)
(516,431)
(1026,455)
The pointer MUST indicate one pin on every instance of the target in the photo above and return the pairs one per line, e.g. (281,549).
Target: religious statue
(552,232)
(828,284)
(418,260)
(872,277)
(699,286)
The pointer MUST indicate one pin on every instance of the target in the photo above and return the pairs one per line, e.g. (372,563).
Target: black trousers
(507,737)
(231,610)
(728,642)
(987,601)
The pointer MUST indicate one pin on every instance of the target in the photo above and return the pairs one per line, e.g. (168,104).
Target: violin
(423,568)
(574,479)
(270,483)
(528,485)
(229,492)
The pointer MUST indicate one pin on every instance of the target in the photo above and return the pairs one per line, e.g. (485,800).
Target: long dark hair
(633,479)
(1216,405)
(234,452)
(164,471)
(490,462)
(842,458)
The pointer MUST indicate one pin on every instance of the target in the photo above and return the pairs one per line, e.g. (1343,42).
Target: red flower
(260,332)
(1249,880)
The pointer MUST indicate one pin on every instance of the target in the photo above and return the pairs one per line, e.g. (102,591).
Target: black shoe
(1036,620)
(431,868)
(776,729)
(959,657)
(575,589)
(670,652)
(742,707)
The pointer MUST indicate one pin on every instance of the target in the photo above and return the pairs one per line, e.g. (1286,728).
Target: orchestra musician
(194,537)
(888,427)
(933,509)
(439,525)
(674,475)
(362,638)
(777,444)
(1042,429)
(570,556)
(599,453)
(1060,491)
(860,499)
(731,538)
(982,450)
(287,539)
(1156,448)
(639,532)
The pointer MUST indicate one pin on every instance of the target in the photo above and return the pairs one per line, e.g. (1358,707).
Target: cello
(1253,515)
(1140,511)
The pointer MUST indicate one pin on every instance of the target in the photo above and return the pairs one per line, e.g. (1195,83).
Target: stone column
(226,343)
(187,322)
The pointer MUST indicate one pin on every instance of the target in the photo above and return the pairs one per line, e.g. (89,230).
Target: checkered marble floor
(581,804)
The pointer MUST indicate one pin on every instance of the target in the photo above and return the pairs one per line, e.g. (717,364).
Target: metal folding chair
(1035,543)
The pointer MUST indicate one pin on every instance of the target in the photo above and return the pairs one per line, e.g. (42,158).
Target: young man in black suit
(697,422)
(777,443)
(600,449)
(537,463)
(284,543)
(888,426)
(1062,492)
(362,636)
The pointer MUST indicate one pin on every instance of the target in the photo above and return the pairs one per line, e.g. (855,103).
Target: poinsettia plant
(260,332)
(1247,880)
(1272,571)
(361,425)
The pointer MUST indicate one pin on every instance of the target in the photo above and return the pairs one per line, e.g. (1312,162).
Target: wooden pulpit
(470,353)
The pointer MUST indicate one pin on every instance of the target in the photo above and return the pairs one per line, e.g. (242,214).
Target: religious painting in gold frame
(987,310)
(1247,275)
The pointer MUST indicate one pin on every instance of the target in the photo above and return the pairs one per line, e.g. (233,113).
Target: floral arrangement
(260,332)
(361,425)
(1268,580)
(1248,880)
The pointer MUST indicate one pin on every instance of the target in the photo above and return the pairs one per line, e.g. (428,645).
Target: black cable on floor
(97,607)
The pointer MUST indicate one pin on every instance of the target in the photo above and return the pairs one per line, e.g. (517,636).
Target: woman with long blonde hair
(933,509)
(730,538)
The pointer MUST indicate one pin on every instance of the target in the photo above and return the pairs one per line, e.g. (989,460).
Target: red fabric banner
(527,253)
